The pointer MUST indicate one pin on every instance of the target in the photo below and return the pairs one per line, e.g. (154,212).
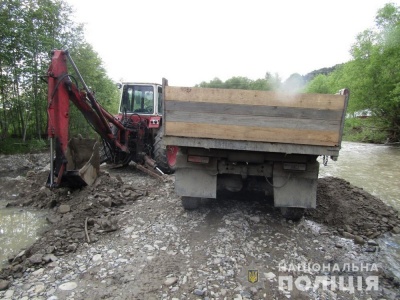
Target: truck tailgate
(315,120)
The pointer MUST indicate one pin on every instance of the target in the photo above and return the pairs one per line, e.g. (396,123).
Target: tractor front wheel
(165,156)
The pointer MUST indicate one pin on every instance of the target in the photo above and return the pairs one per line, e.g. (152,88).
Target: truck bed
(254,120)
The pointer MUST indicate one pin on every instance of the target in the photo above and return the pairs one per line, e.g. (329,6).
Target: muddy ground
(141,244)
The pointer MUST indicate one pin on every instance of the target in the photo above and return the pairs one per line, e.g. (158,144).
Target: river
(19,228)
(375,168)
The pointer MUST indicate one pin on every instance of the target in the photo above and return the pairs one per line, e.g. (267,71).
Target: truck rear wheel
(165,156)
(292,213)
(190,203)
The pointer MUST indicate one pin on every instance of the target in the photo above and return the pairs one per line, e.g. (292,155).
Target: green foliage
(30,30)
(14,145)
(363,130)
(269,82)
(373,75)
(94,74)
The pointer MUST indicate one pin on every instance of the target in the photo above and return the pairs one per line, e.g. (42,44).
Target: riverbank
(366,130)
(140,243)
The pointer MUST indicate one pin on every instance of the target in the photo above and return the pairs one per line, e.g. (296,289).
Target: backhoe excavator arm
(60,90)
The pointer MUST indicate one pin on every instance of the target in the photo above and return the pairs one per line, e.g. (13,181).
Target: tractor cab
(141,99)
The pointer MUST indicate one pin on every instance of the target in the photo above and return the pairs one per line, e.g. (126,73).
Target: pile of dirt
(354,212)
(75,216)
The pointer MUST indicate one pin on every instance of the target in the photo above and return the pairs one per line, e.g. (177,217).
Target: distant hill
(325,71)
(297,82)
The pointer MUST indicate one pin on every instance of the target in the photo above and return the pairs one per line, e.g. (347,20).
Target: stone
(9,294)
(68,286)
(348,228)
(129,230)
(64,208)
(255,219)
(359,240)
(36,259)
(72,247)
(372,243)
(107,202)
(38,272)
(50,258)
(396,230)
(50,249)
(198,292)
(17,268)
(149,247)
(39,288)
(170,281)
(245,294)
(4,284)
(348,235)
(97,257)
(50,292)
(270,276)
(19,256)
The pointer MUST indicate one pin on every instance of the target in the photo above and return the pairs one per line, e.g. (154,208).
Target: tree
(373,74)
(30,30)
(270,82)
(91,68)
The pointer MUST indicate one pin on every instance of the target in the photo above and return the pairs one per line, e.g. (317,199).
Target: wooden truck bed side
(254,120)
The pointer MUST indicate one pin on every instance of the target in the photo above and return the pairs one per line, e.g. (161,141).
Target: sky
(190,41)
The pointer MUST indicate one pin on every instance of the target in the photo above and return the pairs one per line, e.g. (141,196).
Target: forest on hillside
(32,28)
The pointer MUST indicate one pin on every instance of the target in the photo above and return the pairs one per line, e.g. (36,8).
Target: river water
(19,228)
(375,168)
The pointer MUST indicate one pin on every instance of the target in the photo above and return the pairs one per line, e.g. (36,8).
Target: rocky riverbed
(128,237)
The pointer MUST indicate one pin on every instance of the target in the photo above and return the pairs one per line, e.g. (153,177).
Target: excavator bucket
(83,162)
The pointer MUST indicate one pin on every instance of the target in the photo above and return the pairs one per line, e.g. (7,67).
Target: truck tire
(292,213)
(164,156)
(190,203)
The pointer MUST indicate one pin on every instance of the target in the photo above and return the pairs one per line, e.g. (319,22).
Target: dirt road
(141,244)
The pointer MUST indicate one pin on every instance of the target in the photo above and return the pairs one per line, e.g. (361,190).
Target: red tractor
(133,135)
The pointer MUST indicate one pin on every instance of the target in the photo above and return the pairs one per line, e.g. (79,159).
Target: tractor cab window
(137,99)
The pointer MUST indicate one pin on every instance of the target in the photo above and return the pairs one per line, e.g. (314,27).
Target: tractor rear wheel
(165,156)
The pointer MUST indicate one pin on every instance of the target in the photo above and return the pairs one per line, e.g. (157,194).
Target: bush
(363,130)
(14,146)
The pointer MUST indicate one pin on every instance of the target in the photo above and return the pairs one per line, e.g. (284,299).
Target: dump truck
(240,139)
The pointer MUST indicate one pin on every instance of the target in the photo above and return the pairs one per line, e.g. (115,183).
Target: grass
(16,146)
